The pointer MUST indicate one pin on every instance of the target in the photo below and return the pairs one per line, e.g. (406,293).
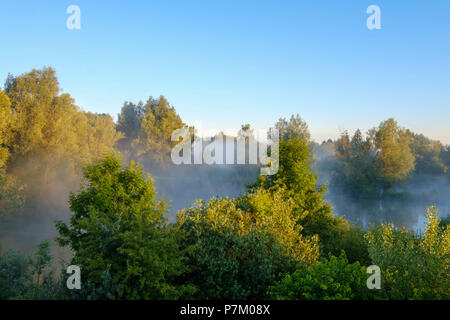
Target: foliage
(24,277)
(426,153)
(330,279)
(158,123)
(5,121)
(117,229)
(295,128)
(356,169)
(444,222)
(47,133)
(444,156)
(12,194)
(412,266)
(310,210)
(238,247)
(280,234)
(394,157)
(368,166)
(129,120)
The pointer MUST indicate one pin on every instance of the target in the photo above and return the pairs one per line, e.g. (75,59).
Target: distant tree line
(386,157)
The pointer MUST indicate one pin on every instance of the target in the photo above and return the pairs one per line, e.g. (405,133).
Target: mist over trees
(386,157)
(258,237)
(47,134)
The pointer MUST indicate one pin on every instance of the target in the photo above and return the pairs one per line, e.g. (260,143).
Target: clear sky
(225,63)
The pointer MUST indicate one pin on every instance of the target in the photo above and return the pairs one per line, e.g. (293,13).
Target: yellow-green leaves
(158,123)
(5,121)
(413,266)
(394,156)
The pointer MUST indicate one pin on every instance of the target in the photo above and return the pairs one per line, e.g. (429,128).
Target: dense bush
(29,277)
(119,236)
(413,266)
(239,247)
(330,279)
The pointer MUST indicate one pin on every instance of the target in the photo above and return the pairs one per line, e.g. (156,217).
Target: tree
(129,120)
(159,121)
(368,166)
(295,128)
(356,169)
(129,125)
(32,98)
(102,134)
(444,155)
(238,247)
(330,279)
(394,156)
(310,209)
(11,192)
(5,122)
(427,155)
(412,266)
(51,134)
(118,231)
(26,277)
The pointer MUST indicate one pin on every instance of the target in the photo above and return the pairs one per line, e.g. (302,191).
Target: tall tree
(294,128)
(427,155)
(49,130)
(119,235)
(5,121)
(160,120)
(129,120)
(412,266)
(394,157)
(240,246)
(310,209)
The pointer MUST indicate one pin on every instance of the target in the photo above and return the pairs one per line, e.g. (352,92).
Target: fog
(179,185)
(182,185)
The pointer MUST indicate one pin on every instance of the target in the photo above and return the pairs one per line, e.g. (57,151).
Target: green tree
(238,247)
(119,235)
(310,210)
(426,153)
(394,156)
(102,134)
(294,128)
(11,192)
(25,277)
(129,120)
(444,155)
(412,266)
(357,169)
(129,125)
(5,122)
(50,134)
(330,279)
(159,121)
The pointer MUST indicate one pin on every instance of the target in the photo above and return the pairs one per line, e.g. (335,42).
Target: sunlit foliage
(118,231)
(330,279)
(413,266)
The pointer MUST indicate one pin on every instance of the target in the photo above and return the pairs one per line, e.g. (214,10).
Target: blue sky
(225,63)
